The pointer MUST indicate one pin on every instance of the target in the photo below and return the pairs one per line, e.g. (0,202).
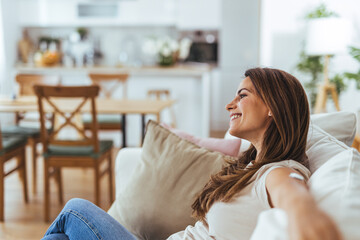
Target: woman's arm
(306,220)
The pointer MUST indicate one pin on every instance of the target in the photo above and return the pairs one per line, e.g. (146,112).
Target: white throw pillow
(336,188)
(321,146)
(341,125)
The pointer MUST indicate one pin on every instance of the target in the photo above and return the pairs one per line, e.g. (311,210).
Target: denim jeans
(81,219)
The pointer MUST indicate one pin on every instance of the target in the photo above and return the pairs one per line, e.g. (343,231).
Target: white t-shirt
(237,219)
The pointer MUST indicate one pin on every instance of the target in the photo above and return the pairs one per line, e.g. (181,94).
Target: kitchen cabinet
(184,14)
(199,14)
(50,13)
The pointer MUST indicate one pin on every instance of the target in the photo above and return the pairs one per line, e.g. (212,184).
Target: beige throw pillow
(157,200)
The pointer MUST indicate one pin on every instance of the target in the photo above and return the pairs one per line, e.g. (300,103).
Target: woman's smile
(234,116)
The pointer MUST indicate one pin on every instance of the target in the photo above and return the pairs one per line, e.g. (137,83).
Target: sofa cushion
(157,199)
(336,188)
(341,125)
(321,146)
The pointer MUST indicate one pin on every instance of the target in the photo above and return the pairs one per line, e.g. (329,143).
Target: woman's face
(249,116)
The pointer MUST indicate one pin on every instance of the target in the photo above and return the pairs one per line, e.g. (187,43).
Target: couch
(335,182)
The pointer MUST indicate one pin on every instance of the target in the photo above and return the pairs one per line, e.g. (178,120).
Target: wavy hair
(284,139)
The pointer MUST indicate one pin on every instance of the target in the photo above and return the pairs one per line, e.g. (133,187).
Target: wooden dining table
(142,107)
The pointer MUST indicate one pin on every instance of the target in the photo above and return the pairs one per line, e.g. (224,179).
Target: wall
(9,23)
(239,50)
(8,48)
(283,28)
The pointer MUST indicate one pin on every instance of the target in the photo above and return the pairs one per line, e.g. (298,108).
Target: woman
(270,110)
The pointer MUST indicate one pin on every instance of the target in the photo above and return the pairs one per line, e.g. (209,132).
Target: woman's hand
(311,223)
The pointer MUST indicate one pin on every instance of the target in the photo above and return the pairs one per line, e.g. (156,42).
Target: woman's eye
(242,96)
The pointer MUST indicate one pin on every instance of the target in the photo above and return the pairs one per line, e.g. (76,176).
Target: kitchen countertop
(179,70)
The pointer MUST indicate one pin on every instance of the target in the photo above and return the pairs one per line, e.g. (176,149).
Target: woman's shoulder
(264,170)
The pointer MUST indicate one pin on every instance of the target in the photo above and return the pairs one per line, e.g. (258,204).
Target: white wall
(283,27)
(8,48)
(11,36)
(199,14)
(239,50)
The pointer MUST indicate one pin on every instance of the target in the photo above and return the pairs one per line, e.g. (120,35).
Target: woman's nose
(230,106)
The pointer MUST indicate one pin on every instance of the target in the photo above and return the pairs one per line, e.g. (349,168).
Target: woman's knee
(78,204)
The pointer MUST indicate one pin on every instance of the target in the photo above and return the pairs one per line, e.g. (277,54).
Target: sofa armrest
(125,164)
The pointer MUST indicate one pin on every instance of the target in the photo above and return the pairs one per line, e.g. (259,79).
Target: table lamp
(326,37)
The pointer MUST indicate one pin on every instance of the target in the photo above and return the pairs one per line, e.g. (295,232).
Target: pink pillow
(229,147)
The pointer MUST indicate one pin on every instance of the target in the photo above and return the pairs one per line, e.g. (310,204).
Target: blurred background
(228,36)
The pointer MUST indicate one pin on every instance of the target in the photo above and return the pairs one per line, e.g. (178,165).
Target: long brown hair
(284,139)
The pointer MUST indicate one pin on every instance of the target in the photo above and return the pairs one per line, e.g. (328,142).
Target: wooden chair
(26,83)
(108,83)
(85,152)
(159,94)
(12,147)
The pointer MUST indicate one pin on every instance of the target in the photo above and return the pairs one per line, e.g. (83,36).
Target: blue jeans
(81,219)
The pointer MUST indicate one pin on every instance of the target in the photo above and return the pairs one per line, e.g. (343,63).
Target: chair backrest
(158,93)
(68,102)
(27,81)
(110,82)
(163,94)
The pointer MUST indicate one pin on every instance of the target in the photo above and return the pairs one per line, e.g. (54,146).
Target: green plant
(338,81)
(313,66)
(83,32)
(321,12)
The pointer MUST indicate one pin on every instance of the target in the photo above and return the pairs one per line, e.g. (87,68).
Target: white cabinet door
(147,12)
(49,13)
(199,14)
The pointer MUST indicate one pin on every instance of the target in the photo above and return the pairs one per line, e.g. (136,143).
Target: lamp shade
(327,36)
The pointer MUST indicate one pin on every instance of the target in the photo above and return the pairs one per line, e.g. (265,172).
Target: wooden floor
(25,221)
